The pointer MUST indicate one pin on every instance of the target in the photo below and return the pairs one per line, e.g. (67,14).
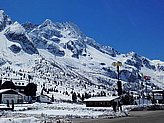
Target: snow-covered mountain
(60,58)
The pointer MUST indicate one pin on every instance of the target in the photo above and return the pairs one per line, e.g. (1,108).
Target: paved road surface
(135,117)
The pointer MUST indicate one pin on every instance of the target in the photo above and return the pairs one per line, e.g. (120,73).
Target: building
(44,99)
(158,96)
(21,86)
(10,95)
(101,101)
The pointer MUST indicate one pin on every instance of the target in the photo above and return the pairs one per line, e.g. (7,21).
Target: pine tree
(74,97)
(82,97)
(52,99)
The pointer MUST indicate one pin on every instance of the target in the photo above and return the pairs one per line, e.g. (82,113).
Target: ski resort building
(21,87)
(101,101)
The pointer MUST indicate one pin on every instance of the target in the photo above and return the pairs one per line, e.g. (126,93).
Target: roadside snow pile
(33,120)
(151,107)
(19,120)
(10,117)
(58,113)
(69,110)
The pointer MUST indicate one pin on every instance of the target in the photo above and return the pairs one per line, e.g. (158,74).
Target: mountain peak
(4,20)
(16,28)
(133,54)
(1,11)
(74,29)
(48,22)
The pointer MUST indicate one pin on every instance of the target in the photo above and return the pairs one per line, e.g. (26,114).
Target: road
(135,117)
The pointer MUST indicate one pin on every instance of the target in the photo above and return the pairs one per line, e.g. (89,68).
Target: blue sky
(126,25)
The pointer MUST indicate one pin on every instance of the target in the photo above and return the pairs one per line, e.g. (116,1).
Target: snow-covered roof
(157,90)
(43,96)
(108,98)
(5,90)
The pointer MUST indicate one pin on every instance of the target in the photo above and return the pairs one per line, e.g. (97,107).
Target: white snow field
(39,112)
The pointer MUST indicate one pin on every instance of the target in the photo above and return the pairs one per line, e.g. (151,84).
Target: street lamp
(119,85)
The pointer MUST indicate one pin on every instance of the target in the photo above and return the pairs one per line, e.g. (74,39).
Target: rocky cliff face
(16,33)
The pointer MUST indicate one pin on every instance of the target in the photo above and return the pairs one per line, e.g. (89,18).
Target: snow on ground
(58,111)
(39,112)
(67,109)
(20,120)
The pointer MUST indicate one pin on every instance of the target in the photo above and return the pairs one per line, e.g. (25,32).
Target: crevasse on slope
(60,52)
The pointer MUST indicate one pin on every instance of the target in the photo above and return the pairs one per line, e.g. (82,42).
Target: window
(90,103)
(100,103)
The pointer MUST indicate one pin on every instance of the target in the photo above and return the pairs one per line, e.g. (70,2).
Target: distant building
(21,86)
(101,101)
(44,99)
(158,96)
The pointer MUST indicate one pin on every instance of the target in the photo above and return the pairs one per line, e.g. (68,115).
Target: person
(114,105)
(12,104)
(120,105)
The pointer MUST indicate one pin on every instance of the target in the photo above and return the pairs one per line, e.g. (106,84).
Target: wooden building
(101,101)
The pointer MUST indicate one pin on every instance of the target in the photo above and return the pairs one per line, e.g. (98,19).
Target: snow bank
(68,110)
(20,120)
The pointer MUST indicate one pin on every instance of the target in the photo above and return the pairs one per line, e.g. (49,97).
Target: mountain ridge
(61,53)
